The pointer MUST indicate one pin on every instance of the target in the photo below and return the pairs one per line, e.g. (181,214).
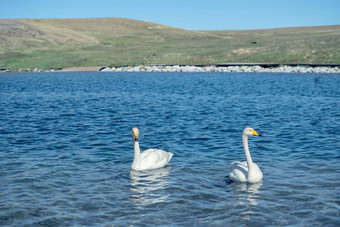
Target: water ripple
(66,149)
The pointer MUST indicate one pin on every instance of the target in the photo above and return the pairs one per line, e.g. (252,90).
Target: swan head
(250,132)
(135,133)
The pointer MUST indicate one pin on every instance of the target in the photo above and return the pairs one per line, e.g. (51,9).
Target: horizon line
(89,18)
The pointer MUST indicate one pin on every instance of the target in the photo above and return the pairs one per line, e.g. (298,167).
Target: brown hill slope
(46,43)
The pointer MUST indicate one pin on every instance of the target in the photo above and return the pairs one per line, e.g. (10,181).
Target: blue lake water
(66,149)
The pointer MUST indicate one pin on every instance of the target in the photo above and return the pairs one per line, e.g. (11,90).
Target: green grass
(48,43)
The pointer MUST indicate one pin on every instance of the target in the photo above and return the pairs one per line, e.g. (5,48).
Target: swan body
(246,171)
(150,158)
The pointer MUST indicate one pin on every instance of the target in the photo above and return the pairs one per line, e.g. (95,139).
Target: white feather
(246,171)
(150,158)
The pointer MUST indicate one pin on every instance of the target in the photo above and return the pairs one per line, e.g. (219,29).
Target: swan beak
(255,133)
(135,136)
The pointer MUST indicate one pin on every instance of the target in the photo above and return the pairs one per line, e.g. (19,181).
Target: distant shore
(235,68)
(251,68)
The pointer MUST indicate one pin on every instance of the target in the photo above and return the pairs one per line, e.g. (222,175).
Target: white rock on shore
(212,68)
(253,69)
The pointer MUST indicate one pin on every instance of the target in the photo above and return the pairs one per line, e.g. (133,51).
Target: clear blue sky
(188,14)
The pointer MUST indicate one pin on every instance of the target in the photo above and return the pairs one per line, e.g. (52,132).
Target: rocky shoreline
(247,69)
(193,68)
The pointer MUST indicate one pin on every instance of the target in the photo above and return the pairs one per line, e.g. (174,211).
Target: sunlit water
(66,149)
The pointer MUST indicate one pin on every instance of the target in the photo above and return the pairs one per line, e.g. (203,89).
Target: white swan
(149,159)
(246,171)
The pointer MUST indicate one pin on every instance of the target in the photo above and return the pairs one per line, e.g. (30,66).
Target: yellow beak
(135,135)
(255,133)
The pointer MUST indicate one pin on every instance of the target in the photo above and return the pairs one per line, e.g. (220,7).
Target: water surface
(66,149)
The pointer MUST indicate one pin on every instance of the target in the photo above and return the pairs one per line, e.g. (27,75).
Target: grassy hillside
(46,43)
(295,45)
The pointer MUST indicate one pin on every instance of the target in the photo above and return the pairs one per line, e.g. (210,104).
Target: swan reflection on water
(251,191)
(148,186)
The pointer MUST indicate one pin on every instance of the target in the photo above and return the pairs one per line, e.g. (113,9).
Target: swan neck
(137,155)
(246,150)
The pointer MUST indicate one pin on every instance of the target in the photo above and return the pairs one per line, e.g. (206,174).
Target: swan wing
(238,171)
(154,158)
(256,174)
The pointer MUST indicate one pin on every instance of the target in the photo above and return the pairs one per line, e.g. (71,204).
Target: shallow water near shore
(66,149)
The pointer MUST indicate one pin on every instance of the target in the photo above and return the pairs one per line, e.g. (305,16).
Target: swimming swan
(149,159)
(246,171)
